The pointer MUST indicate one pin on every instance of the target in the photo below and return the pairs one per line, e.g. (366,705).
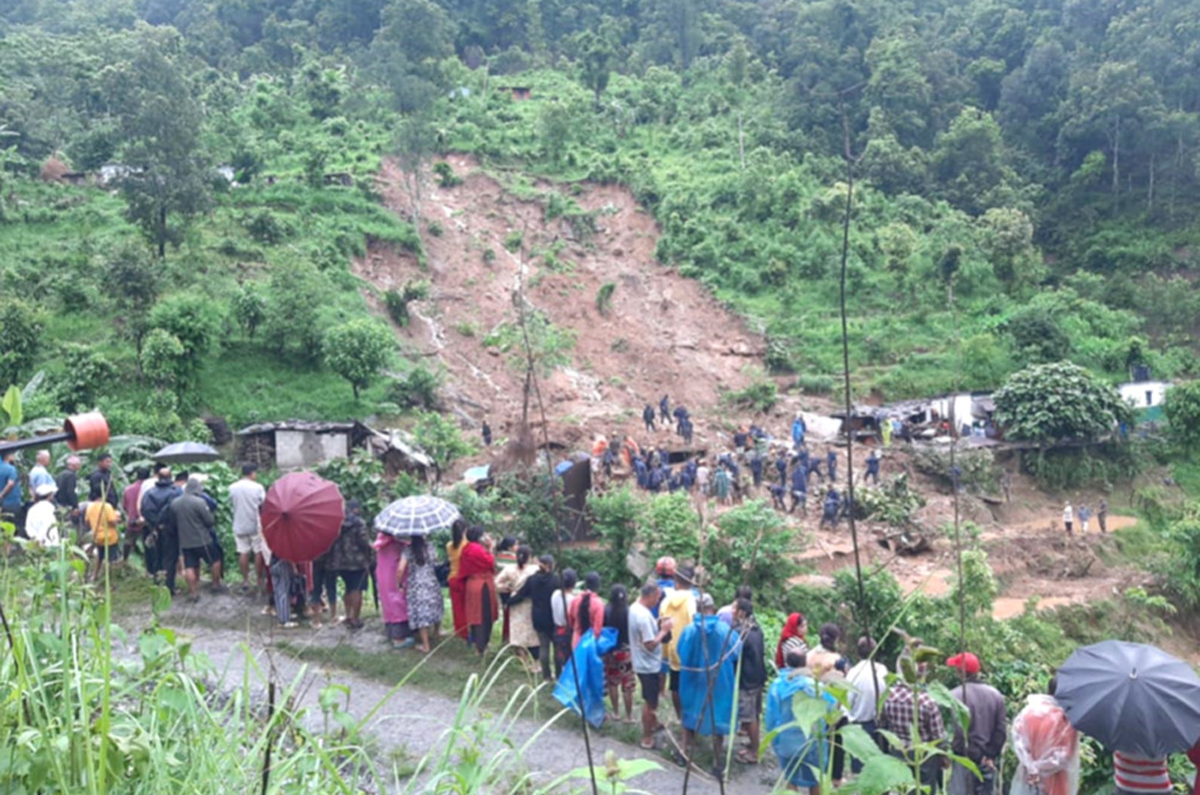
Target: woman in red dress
(477,569)
(457,587)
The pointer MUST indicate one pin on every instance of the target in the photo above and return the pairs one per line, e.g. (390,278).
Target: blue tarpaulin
(563,467)
(476,474)
(591,675)
(708,650)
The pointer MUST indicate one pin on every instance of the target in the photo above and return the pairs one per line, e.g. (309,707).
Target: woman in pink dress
(392,600)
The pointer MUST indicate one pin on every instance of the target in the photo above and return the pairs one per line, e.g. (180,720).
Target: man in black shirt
(753,676)
(67,495)
(100,483)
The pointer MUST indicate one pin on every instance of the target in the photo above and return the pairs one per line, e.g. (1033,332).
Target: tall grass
(84,708)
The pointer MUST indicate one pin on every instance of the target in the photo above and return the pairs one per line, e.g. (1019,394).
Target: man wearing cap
(246,497)
(41,523)
(100,485)
(986,734)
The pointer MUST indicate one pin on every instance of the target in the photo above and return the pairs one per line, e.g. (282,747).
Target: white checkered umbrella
(416,516)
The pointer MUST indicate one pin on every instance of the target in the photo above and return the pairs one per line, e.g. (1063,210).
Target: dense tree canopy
(1053,402)
(1046,150)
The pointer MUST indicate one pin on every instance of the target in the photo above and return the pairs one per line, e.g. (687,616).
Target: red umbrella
(302,516)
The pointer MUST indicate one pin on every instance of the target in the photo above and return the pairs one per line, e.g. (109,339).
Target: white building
(1144,394)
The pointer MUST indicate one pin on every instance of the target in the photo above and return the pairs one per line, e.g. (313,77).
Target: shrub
(397,301)
(196,322)
(604,297)
(86,372)
(434,228)
(21,330)
(815,384)
(446,178)
(266,228)
(760,396)
(417,390)
(753,546)
(671,527)
(512,242)
(615,518)
(250,307)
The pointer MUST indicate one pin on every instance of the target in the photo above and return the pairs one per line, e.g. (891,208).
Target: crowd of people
(755,464)
(674,644)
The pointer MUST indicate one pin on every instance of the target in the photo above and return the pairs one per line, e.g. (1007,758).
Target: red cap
(966,661)
(665,566)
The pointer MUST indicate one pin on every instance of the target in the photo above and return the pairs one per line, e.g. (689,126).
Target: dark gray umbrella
(1133,698)
(186,453)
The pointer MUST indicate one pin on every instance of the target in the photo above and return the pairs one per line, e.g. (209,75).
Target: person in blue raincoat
(639,468)
(781,467)
(798,430)
(588,659)
(831,465)
(708,654)
(800,756)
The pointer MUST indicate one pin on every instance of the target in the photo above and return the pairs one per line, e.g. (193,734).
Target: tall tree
(165,183)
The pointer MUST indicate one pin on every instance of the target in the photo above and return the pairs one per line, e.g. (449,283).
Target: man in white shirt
(646,634)
(865,681)
(41,523)
(246,497)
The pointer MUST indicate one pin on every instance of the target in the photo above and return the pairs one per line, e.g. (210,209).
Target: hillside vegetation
(1036,161)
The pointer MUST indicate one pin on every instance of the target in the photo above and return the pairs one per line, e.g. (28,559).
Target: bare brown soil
(663,333)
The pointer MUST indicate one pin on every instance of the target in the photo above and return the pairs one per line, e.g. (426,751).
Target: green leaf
(858,743)
(882,774)
(637,767)
(12,406)
(807,710)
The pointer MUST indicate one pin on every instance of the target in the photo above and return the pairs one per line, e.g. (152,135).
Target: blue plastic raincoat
(801,759)
(591,675)
(708,652)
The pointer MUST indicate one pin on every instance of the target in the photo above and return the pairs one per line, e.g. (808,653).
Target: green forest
(1025,179)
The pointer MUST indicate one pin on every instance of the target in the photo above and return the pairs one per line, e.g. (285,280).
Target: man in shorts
(646,637)
(246,498)
(193,524)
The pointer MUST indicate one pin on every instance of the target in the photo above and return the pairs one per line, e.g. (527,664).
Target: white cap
(45,490)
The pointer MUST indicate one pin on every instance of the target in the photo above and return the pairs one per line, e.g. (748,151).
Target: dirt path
(414,722)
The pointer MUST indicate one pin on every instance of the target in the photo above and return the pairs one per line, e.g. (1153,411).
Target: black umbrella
(186,453)
(1133,698)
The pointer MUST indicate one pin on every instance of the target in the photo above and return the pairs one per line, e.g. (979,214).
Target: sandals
(746,757)
(644,747)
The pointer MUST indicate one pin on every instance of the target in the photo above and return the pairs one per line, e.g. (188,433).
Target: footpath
(415,722)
